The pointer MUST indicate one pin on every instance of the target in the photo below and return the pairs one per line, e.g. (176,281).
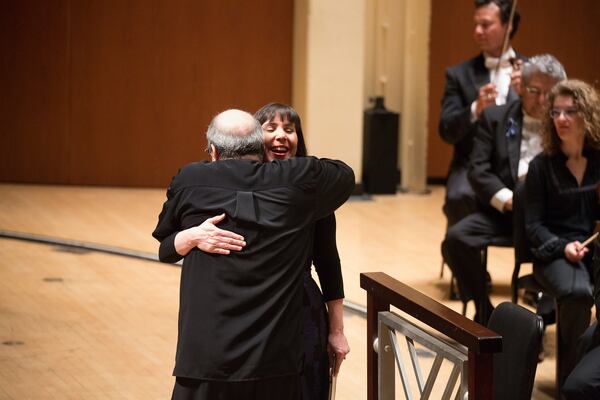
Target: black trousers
(460,198)
(584,381)
(462,247)
(571,285)
(286,387)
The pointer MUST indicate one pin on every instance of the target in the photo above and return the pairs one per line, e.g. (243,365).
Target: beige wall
(401,54)
(414,81)
(343,56)
(329,65)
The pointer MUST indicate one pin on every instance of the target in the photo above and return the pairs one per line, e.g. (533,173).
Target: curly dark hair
(587,101)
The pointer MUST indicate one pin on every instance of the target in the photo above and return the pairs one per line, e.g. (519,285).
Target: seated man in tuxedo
(507,138)
(240,316)
(471,87)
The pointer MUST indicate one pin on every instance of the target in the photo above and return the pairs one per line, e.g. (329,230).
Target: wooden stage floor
(90,325)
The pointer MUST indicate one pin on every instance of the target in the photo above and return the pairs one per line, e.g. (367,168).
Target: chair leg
(464,308)
(481,309)
(514,282)
(559,359)
(442,268)
(453,292)
(487,282)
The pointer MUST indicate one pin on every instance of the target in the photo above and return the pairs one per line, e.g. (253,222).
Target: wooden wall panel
(34,90)
(144,78)
(570,31)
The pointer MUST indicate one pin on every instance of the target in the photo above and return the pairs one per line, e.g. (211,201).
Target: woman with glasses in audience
(561,209)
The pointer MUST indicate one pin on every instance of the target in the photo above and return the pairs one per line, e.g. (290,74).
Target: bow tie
(492,62)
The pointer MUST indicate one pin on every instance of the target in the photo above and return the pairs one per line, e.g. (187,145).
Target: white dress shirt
(531,146)
(501,79)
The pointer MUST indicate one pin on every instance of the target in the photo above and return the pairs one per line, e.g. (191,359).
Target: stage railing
(481,343)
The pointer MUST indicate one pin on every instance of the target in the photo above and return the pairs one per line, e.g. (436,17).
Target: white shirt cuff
(500,198)
(474,111)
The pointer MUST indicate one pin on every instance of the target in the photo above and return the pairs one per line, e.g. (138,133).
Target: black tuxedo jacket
(240,315)
(496,150)
(462,88)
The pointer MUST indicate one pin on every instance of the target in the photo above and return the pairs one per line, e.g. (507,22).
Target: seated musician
(561,209)
(584,381)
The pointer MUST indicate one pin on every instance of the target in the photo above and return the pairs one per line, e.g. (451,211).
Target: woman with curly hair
(562,207)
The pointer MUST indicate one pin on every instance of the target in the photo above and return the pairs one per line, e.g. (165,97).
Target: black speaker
(380,149)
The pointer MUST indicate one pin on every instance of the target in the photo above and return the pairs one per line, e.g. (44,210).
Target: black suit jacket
(496,150)
(462,88)
(240,314)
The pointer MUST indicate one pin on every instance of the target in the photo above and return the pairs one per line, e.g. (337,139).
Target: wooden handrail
(383,291)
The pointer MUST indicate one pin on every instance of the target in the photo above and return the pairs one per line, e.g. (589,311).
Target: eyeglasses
(536,91)
(569,113)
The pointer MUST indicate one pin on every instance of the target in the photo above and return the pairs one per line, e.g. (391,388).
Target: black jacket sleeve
(166,250)
(334,184)
(168,225)
(546,245)
(326,259)
(455,120)
(483,173)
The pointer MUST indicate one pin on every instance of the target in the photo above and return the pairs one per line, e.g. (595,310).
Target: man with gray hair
(240,315)
(232,135)
(507,139)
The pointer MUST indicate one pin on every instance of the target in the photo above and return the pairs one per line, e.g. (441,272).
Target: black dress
(315,379)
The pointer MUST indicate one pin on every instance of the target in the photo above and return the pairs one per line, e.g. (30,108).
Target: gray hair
(235,140)
(545,64)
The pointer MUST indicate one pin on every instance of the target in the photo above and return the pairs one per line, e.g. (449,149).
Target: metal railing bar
(429,341)
(464,381)
(451,382)
(433,374)
(401,368)
(458,396)
(414,358)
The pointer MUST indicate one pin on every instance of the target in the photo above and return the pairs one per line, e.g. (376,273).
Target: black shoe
(546,308)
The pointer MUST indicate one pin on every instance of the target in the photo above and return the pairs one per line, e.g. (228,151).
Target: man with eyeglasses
(471,87)
(507,139)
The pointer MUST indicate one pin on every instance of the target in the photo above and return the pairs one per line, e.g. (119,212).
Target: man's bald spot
(235,122)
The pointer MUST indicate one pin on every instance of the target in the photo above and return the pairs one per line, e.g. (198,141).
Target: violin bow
(507,34)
